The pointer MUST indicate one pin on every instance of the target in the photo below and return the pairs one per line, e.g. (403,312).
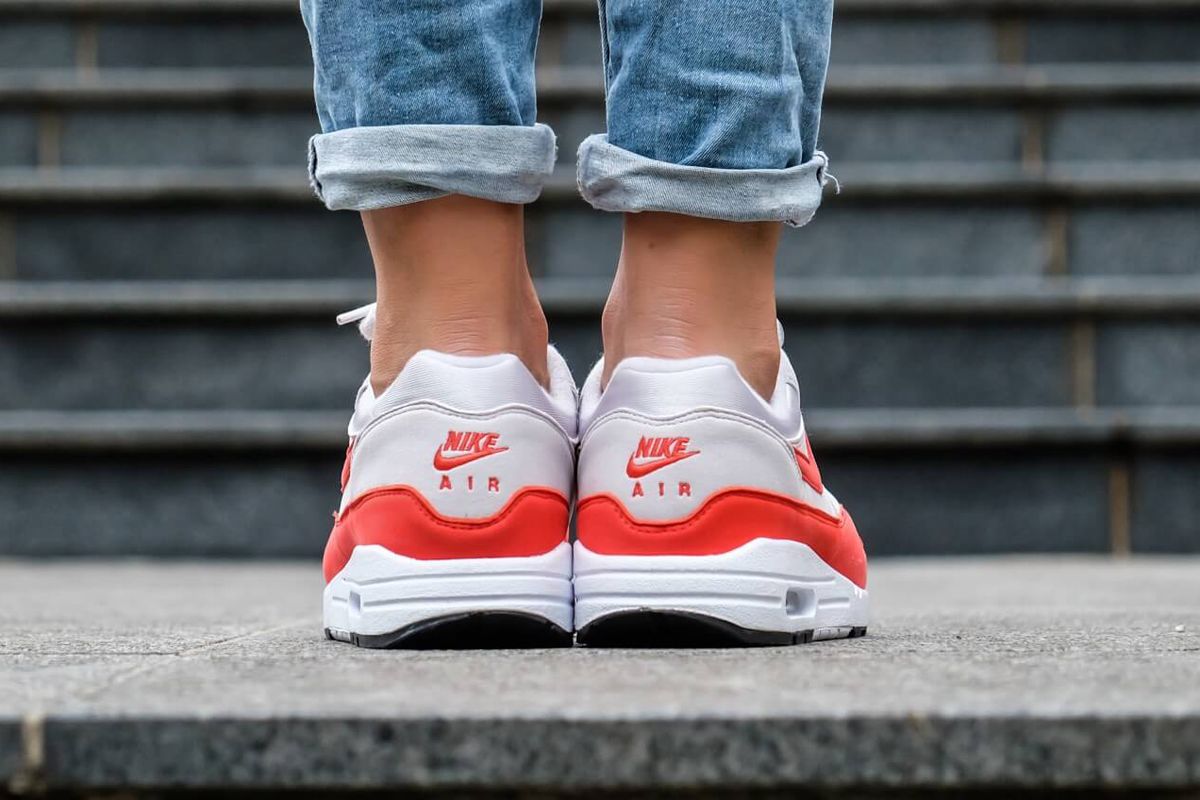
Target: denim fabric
(614,179)
(713,108)
(713,105)
(391,165)
(388,71)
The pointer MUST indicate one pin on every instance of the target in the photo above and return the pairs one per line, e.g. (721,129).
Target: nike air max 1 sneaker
(457,489)
(702,517)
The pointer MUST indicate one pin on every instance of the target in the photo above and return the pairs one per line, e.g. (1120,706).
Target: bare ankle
(401,331)
(451,276)
(689,287)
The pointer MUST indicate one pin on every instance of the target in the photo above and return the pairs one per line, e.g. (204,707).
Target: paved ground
(1000,672)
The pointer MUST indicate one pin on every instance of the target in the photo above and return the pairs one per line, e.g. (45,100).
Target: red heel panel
(724,522)
(533,522)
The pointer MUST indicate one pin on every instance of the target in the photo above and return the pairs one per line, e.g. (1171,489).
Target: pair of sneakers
(700,515)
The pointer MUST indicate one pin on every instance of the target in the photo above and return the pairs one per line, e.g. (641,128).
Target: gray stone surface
(1166,503)
(849,241)
(563,241)
(231,234)
(241,41)
(857,363)
(1113,37)
(10,748)
(275,501)
(191,504)
(577,337)
(143,608)
(36,43)
(1124,133)
(884,39)
(976,672)
(1134,240)
(1148,362)
(910,239)
(851,132)
(898,239)
(18,139)
(904,133)
(185,137)
(274,363)
(571,41)
(180,243)
(935,503)
(179,364)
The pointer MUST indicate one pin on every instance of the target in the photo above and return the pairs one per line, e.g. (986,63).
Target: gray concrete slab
(145,607)
(976,672)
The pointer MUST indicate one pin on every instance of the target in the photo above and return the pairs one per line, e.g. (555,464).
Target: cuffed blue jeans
(713,106)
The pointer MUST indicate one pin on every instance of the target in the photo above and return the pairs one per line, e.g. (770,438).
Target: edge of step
(909,752)
(1118,296)
(891,83)
(582,7)
(44,432)
(1146,181)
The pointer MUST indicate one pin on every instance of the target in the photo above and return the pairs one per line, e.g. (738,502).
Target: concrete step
(976,675)
(186,33)
(971,298)
(897,344)
(262,484)
(921,220)
(1029,115)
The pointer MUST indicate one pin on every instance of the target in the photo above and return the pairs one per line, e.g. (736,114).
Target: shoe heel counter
(464,464)
(703,484)
(428,482)
(662,469)
(683,458)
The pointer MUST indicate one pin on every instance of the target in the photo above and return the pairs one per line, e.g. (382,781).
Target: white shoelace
(364,316)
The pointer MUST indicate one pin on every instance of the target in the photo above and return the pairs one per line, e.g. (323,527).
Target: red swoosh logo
(635,470)
(808,466)
(445,462)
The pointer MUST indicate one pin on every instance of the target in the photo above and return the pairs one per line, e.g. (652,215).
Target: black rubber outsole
(682,629)
(473,630)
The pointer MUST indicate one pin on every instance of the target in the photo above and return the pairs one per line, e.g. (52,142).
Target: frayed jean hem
(367,168)
(615,179)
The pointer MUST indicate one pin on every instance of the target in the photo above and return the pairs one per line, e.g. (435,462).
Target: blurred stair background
(996,323)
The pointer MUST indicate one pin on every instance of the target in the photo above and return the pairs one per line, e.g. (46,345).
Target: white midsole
(380,592)
(766,584)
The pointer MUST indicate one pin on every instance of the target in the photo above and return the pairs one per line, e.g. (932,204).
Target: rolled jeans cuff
(615,179)
(391,165)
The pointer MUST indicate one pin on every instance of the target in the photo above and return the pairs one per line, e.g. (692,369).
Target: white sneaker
(457,488)
(702,518)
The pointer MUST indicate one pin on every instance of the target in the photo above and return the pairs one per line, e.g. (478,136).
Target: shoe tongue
(364,316)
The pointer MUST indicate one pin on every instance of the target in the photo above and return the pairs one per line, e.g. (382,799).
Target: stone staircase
(996,323)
